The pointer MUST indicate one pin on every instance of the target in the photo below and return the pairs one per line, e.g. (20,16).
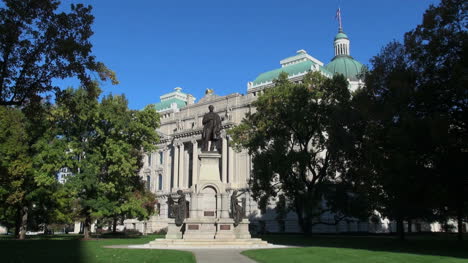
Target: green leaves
(38,44)
(106,143)
(297,137)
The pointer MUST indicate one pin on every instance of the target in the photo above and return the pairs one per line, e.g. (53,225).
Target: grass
(69,248)
(363,249)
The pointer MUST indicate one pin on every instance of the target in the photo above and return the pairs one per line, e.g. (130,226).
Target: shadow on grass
(435,244)
(41,249)
(72,248)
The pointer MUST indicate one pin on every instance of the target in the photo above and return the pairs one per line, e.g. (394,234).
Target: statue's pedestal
(197,228)
(225,229)
(209,167)
(173,231)
(242,229)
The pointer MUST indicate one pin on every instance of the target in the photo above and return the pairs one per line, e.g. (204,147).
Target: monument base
(173,231)
(242,230)
(209,224)
(199,229)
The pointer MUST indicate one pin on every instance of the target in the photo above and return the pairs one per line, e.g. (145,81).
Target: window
(161,158)
(148,182)
(160,181)
(149,159)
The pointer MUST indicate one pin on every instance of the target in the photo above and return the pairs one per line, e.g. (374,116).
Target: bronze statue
(211,129)
(179,210)
(237,211)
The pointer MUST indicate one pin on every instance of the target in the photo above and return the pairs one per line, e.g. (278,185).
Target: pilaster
(194,162)
(224,160)
(176,165)
(182,172)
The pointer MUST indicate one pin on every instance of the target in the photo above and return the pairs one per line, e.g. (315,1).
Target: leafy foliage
(298,137)
(106,142)
(39,44)
(413,126)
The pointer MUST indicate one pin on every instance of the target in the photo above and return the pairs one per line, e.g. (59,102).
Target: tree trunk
(24,223)
(87,228)
(400,229)
(17,222)
(114,225)
(300,220)
(409,226)
(460,220)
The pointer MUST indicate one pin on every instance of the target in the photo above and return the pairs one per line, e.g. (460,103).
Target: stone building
(175,165)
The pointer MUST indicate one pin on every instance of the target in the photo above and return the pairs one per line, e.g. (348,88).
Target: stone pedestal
(242,230)
(199,229)
(209,167)
(173,231)
(225,229)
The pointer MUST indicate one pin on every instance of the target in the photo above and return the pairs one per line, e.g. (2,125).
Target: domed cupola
(343,63)
(341,44)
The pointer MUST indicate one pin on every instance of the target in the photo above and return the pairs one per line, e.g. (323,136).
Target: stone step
(208,243)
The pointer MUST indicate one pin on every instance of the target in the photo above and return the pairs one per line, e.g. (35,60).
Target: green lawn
(68,249)
(355,249)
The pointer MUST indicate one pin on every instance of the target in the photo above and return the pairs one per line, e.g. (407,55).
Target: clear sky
(155,46)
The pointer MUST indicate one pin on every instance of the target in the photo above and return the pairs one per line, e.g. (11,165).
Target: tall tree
(297,138)
(390,155)
(414,116)
(105,142)
(29,158)
(438,50)
(39,44)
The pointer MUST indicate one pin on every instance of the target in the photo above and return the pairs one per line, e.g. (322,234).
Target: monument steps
(253,242)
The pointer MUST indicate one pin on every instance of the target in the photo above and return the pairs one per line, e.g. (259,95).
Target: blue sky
(155,46)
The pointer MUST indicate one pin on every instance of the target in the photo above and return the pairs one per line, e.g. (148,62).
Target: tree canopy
(39,44)
(106,141)
(297,137)
(413,120)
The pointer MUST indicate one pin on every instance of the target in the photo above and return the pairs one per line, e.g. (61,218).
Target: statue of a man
(237,211)
(211,129)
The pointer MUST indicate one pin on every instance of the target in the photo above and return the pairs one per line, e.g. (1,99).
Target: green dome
(345,65)
(341,35)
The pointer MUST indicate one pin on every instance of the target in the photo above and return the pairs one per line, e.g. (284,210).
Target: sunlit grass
(352,249)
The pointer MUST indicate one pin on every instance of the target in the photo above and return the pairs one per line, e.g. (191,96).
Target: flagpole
(339,19)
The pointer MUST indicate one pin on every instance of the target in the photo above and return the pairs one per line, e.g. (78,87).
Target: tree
(39,44)
(391,140)
(29,158)
(105,143)
(297,139)
(438,51)
(414,130)
(15,165)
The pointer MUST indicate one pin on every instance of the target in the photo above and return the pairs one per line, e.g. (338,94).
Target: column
(176,165)
(168,172)
(224,160)
(194,162)
(163,211)
(225,205)
(230,163)
(218,205)
(193,205)
(181,166)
